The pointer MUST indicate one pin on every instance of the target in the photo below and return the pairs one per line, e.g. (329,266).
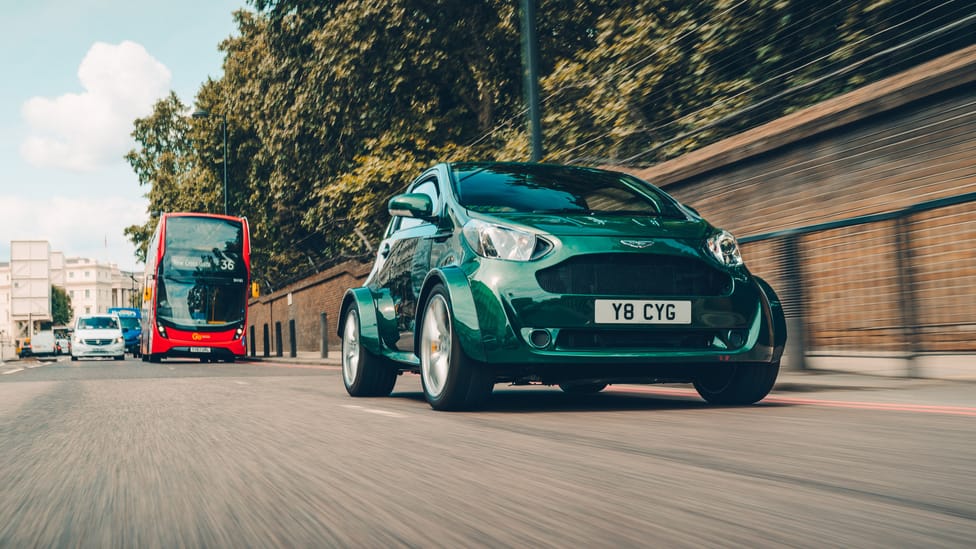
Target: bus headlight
(161,329)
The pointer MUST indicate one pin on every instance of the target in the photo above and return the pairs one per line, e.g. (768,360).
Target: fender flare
(777,318)
(463,309)
(371,317)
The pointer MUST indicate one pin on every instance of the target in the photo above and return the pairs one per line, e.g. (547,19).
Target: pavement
(820,373)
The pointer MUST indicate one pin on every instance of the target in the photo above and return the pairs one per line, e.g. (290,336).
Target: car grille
(633,339)
(634,274)
(96,342)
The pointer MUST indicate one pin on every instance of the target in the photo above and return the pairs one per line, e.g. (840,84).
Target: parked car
(535,273)
(98,335)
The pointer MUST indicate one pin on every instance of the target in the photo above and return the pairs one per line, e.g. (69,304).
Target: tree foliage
(331,106)
(61,310)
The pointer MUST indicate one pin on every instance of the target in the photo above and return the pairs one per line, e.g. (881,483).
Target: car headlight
(120,339)
(725,249)
(500,242)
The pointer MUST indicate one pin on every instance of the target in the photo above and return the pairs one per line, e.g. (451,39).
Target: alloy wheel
(350,348)
(435,346)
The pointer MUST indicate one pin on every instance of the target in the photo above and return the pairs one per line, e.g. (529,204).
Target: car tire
(363,373)
(737,384)
(451,380)
(119,357)
(582,388)
(74,358)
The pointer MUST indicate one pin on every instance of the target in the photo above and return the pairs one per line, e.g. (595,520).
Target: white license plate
(200,349)
(636,311)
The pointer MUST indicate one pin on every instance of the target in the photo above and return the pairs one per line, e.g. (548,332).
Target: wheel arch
(775,319)
(463,308)
(369,325)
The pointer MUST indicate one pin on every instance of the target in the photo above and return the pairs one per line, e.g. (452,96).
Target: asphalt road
(131,454)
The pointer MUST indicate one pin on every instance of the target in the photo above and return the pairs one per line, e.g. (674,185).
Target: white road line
(13,371)
(386,413)
(242,383)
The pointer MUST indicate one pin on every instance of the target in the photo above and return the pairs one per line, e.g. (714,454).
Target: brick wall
(309,298)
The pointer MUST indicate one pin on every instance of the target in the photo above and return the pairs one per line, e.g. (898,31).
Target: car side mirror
(411,205)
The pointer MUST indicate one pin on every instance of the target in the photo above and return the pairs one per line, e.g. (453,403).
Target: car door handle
(385,249)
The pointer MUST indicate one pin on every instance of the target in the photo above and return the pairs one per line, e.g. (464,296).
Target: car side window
(428,187)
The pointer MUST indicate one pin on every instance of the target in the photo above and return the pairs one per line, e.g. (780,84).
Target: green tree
(61,310)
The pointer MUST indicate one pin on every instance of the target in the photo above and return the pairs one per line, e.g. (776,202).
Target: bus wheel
(153,357)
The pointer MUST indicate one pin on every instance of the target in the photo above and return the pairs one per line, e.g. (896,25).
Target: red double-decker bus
(195,291)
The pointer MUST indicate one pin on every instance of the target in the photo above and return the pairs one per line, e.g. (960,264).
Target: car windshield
(129,322)
(540,188)
(98,323)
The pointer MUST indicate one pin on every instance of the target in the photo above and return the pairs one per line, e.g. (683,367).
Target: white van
(40,344)
(96,336)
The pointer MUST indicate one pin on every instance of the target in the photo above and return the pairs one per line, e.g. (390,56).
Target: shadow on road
(547,400)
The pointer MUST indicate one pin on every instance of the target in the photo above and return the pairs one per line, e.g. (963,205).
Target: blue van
(131,320)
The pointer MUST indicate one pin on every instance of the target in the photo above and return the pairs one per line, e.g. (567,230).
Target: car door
(403,262)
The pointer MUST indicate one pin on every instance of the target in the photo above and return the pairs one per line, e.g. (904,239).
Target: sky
(74,75)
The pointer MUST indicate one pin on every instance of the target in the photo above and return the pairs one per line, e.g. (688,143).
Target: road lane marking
(13,371)
(856,405)
(377,411)
(242,383)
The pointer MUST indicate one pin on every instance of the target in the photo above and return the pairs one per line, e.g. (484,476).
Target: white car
(98,336)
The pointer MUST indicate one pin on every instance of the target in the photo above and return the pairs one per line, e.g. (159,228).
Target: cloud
(81,227)
(84,132)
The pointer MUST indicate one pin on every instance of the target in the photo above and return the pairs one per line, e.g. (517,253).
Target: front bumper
(525,327)
(221,345)
(83,350)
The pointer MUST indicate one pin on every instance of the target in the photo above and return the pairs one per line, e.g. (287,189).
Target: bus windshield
(202,276)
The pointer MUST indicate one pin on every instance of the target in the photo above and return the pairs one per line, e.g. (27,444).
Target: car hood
(633,226)
(98,334)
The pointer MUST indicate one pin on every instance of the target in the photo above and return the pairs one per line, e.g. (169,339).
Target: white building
(6,334)
(95,287)
(25,286)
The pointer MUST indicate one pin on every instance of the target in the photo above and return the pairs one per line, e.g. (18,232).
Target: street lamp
(133,294)
(203,113)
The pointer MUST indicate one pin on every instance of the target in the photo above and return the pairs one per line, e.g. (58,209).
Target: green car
(559,275)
